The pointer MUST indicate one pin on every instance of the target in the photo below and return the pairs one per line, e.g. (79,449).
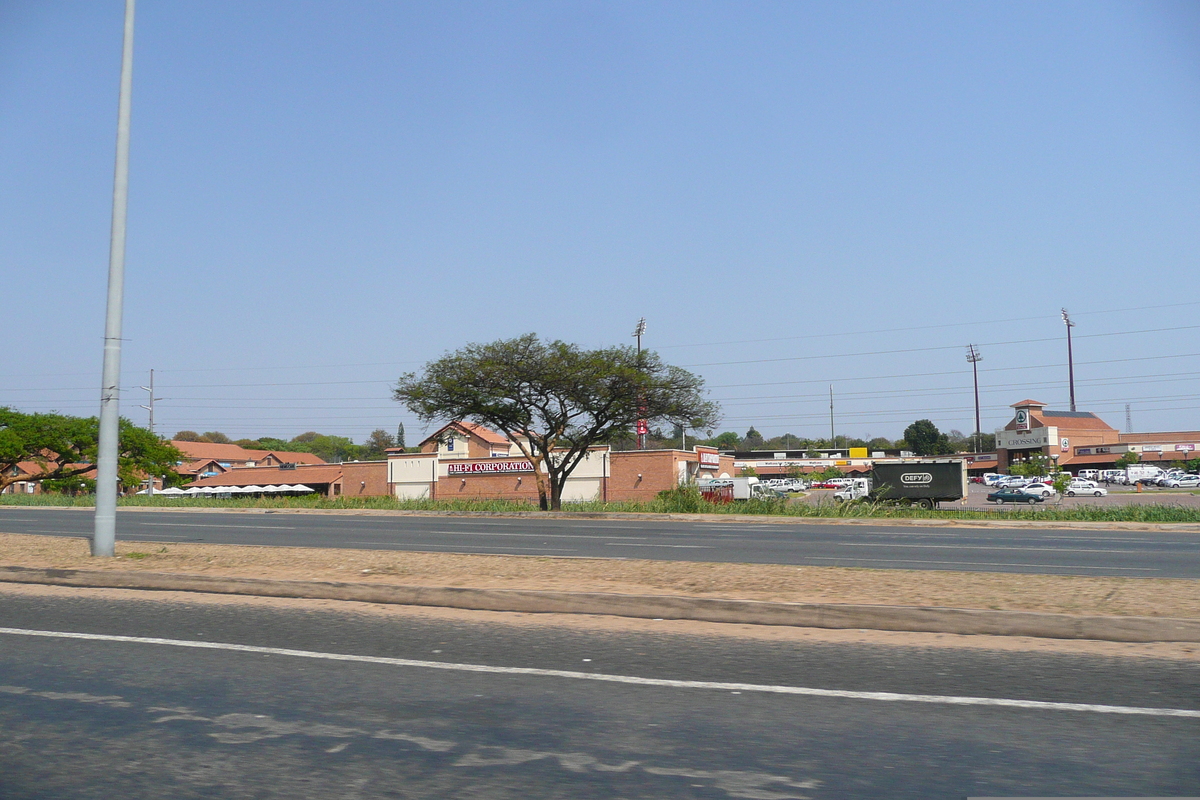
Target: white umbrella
(301,488)
(251,489)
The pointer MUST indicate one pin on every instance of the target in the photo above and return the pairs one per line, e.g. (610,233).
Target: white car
(1044,489)
(1085,487)
(1185,481)
(1011,482)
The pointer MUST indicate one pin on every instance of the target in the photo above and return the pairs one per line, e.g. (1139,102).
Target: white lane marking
(213,525)
(1040,705)
(419,546)
(982,547)
(467,533)
(976,563)
(684,546)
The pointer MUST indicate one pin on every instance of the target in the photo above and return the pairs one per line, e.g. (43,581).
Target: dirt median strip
(754,519)
(749,612)
(899,600)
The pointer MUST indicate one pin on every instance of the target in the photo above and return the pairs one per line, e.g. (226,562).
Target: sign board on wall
(1022,419)
(709,459)
(489,467)
(1184,448)
(1066,445)
(1021,440)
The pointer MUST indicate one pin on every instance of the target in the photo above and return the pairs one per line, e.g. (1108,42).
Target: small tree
(1035,466)
(753,440)
(555,400)
(1126,459)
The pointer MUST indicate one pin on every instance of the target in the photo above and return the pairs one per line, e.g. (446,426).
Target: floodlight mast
(104,535)
(641,423)
(1070,358)
(974,357)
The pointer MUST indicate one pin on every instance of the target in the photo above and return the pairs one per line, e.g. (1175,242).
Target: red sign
(709,458)
(486,467)
(642,427)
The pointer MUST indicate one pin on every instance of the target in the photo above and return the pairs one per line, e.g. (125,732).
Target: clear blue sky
(325,195)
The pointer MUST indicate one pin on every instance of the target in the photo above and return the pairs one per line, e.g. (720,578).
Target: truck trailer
(923,483)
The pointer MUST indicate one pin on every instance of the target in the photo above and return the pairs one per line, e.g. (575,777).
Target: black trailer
(922,483)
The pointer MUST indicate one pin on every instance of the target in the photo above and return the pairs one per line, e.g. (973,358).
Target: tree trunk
(555,493)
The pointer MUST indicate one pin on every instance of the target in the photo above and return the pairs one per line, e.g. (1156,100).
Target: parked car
(1089,474)
(991,478)
(1011,482)
(1185,481)
(1044,489)
(1078,487)
(1002,496)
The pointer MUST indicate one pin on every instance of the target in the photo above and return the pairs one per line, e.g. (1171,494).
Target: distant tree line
(334,449)
(921,437)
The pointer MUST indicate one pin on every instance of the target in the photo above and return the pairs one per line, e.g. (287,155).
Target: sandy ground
(1177,651)
(998,591)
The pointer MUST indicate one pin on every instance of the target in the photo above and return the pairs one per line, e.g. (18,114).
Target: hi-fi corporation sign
(489,468)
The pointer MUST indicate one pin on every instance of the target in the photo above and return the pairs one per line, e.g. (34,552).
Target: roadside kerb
(1178,527)
(748,612)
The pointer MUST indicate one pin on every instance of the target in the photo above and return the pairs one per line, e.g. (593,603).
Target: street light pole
(1070,357)
(641,423)
(104,536)
(974,357)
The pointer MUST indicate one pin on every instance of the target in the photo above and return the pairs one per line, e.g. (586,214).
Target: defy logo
(916,478)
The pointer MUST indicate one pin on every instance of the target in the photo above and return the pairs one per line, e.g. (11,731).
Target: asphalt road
(419,707)
(1047,551)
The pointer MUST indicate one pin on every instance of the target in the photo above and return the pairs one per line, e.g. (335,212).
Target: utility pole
(104,536)
(150,408)
(832,442)
(642,428)
(1070,358)
(974,357)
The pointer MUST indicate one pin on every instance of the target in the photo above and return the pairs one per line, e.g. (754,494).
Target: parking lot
(1117,496)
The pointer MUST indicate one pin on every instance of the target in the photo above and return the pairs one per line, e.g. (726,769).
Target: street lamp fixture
(1070,358)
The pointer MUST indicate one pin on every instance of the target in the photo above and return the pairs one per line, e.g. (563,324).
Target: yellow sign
(858,452)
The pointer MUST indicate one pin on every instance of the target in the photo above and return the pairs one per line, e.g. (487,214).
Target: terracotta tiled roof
(1072,420)
(232,452)
(486,434)
(263,476)
(1038,403)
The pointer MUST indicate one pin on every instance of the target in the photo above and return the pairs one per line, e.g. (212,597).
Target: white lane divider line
(1036,705)
(214,525)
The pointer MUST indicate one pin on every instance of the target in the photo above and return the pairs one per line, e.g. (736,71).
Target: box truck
(924,483)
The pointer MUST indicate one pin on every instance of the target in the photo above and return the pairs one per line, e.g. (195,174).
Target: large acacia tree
(554,399)
(60,447)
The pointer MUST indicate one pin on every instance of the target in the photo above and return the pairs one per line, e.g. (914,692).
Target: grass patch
(674,502)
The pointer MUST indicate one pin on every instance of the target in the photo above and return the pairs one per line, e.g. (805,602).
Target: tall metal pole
(974,357)
(150,408)
(641,423)
(1070,357)
(832,441)
(104,536)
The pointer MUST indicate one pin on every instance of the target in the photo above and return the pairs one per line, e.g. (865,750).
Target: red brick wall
(488,487)
(364,479)
(656,468)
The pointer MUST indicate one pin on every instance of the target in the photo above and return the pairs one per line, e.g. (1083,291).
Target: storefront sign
(709,459)
(1152,448)
(1018,440)
(1022,419)
(489,467)
(1184,448)
(1066,445)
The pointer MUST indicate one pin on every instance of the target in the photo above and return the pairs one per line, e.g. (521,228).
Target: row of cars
(786,485)
(1038,491)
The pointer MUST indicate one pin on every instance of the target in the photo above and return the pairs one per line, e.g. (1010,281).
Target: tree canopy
(555,399)
(62,447)
(926,440)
